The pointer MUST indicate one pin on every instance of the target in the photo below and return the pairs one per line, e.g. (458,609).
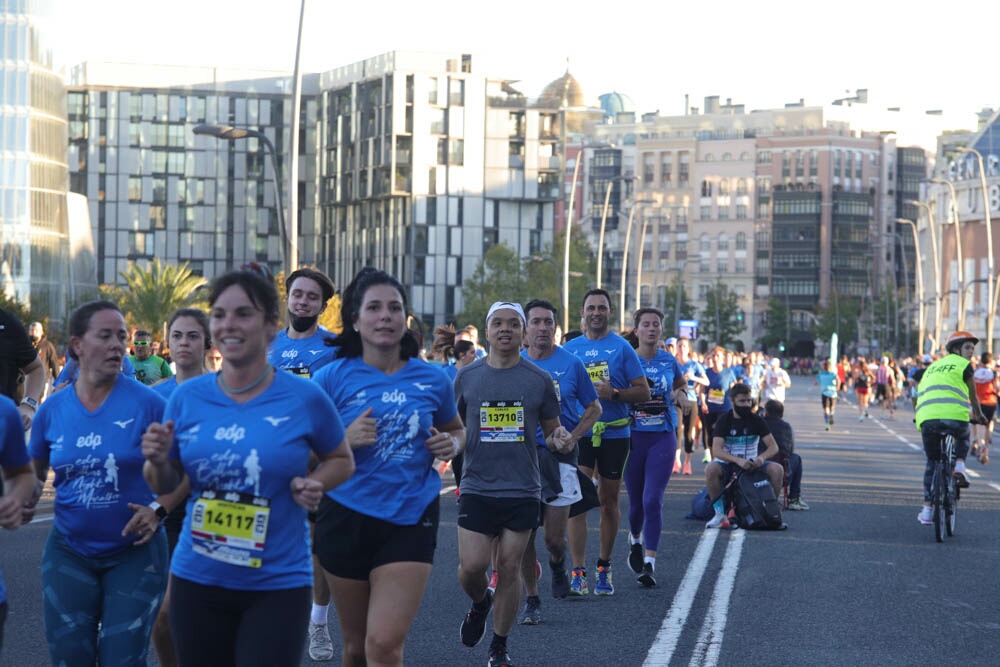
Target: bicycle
(944,491)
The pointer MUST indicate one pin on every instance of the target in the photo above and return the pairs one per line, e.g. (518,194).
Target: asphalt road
(854,581)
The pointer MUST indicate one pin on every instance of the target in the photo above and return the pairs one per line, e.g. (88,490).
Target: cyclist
(944,398)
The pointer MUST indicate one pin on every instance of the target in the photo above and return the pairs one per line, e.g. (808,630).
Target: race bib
(716,396)
(646,419)
(230,527)
(555,382)
(501,421)
(301,371)
(598,371)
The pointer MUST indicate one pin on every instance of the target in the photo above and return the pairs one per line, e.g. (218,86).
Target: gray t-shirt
(502,409)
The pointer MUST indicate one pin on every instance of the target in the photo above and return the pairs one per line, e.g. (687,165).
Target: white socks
(651,560)
(319,615)
(634,540)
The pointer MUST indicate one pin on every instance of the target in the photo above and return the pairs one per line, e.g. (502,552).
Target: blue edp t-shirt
(243,530)
(574,390)
(13,453)
(827,383)
(394,479)
(97,459)
(613,360)
(661,371)
(717,391)
(165,388)
(301,356)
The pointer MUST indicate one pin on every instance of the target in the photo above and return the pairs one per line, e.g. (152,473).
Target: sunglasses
(141,343)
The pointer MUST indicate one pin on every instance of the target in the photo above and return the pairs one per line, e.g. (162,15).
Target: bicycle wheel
(937,501)
(951,507)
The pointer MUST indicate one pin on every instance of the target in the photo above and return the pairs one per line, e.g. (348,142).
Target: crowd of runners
(216,504)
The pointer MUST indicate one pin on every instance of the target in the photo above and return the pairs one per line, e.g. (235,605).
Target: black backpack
(754,502)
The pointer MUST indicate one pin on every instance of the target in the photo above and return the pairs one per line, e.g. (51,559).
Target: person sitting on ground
(785,437)
(735,446)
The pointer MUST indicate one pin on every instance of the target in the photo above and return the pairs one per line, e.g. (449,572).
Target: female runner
(376,539)
(242,572)
(104,566)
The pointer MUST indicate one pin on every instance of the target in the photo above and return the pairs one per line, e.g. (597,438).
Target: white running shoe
(718,521)
(320,644)
(925,517)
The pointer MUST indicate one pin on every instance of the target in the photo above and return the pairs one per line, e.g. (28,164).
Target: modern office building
(155,189)
(35,255)
(424,164)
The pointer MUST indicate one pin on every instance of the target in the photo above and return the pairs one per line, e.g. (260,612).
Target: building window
(703,266)
(741,266)
(764,157)
(683,169)
(648,168)
(456,92)
(741,212)
(456,151)
(704,244)
(666,169)
(723,243)
(706,188)
(723,266)
(741,241)
(135,188)
(705,212)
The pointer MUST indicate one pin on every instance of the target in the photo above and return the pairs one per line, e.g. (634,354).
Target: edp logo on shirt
(91,441)
(394,396)
(289,354)
(231,434)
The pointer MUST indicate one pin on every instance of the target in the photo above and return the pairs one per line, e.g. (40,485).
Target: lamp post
(569,226)
(628,237)
(600,239)
(638,269)
(935,255)
(230,133)
(960,268)
(921,324)
(990,285)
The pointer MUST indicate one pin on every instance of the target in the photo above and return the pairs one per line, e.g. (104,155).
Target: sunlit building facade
(34,221)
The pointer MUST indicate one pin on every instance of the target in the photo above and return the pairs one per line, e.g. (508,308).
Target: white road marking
(665,643)
(995,486)
(42,518)
(447,489)
(706,650)
(972,473)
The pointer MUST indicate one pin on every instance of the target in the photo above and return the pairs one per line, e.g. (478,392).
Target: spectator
(47,353)
(18,356)
(150,368)
(785,437)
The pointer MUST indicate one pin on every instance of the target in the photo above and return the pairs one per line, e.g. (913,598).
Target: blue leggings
(100,610)
(647,472)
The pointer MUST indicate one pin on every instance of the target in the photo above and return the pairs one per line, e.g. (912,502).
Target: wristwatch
(30,402)
(616,395)
(161,511)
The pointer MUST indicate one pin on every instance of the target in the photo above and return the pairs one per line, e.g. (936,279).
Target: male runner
(617,375)
(503,400)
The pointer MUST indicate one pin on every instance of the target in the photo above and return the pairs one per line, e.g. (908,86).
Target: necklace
(230,390)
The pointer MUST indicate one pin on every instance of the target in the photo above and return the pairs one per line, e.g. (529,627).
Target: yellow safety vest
(942,393)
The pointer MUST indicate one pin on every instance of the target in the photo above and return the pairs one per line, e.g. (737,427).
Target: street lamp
(638,271)
(230,133)
(569,220)
(935,255)
(960,269)
(990,286)
(628,236)
(921,323)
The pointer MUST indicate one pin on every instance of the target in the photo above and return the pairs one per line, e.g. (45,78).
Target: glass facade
(34,246)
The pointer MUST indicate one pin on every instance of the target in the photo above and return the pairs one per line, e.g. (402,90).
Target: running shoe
(718,521)
(861,418)
(499,657)
(646,577)
(635,557)
(604,584)
(925,517)
(578,582)
(320,644)
(687,467)
(707,458)
(493,582)
(532,612)
(474,626)
(797,504)
(560,582)
(677,467)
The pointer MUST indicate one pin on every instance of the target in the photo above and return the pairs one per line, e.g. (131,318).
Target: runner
(617,375)
(828,382)
(299,348)
(376,533)
(242,571)
(579,408)
(21,488)
(654,441)
(987,384)
(696,378)
(508,398)
(104,565)
(189,337)
(715,400)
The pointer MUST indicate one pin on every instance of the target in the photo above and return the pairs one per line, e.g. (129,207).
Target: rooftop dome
(615,103)
(565,87)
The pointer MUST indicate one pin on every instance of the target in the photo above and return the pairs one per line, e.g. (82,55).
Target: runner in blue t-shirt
(696,378)
(104,566)
(654,442)
(242,572)
(614,368)
(20,482)
(828,381)
(579,408)
(302,348)
(377,536)
(714,401)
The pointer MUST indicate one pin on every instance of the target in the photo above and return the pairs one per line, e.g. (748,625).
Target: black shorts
(989,411)
(487,515)
(829,401)
(350,544)
(881,392)
(609,457)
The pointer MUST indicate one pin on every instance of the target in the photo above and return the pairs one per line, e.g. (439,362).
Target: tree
(841,316)
(672,314)
(151,294)
(498,277)
(329,318)
(543,274)
(776,324)
(722,318)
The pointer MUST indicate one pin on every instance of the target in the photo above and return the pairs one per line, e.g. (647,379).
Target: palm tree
(152,293)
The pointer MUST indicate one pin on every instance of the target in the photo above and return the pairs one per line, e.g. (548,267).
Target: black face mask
(34,339)
(301,323)
(744,411)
